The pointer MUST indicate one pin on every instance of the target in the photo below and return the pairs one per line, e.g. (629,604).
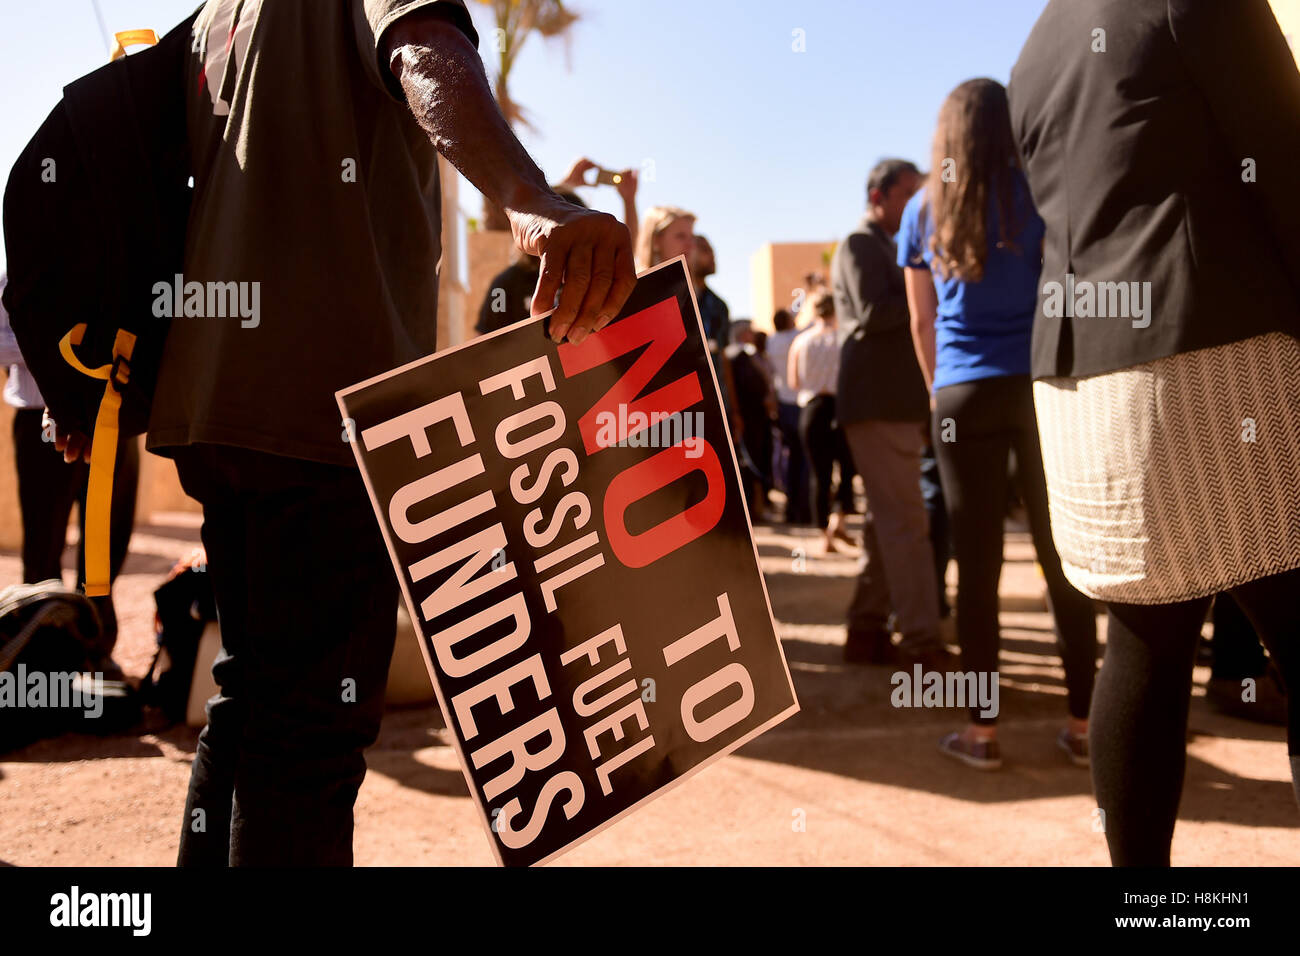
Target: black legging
(975,425)
(1138,734)
(824,443)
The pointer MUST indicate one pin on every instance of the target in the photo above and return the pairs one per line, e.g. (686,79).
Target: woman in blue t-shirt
(971,247)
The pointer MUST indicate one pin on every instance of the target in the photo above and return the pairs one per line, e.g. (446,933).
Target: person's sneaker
(982,755)
(870,647)
(1075,747)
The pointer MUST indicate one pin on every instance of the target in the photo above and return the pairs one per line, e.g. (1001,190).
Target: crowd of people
(929,367)
(937,369)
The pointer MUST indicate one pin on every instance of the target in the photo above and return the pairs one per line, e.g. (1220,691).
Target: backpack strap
(103,451)
(126,38)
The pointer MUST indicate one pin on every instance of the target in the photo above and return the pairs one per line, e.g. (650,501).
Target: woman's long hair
(974,159)
(655,221)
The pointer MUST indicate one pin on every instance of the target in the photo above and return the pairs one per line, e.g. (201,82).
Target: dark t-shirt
(316,192)
(715,315)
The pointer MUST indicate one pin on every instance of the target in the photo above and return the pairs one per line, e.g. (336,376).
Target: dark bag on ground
(185,606)
(55,676)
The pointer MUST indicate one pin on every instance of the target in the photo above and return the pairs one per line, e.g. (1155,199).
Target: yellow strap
(74,337)
(103,455)
(126,38)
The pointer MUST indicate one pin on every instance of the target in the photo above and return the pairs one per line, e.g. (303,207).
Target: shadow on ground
(847,726)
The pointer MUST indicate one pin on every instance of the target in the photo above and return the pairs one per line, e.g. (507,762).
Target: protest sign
(571,539)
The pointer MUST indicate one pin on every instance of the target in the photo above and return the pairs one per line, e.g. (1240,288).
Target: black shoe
(1225,694)
(870,647)
(934,657)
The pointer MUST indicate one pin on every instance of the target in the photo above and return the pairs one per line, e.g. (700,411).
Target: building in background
(454,323)
(778,276)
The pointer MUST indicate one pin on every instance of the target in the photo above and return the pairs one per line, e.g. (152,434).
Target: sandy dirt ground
(849,780)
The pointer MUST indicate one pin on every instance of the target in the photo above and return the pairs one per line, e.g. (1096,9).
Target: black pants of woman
(824,444)
(1138,734)
(975,425)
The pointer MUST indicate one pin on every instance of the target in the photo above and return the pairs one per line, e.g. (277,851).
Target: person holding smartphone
(510,294)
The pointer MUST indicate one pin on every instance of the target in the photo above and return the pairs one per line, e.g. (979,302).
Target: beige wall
(778,270)
(489,253)
(451,292)
(11,524)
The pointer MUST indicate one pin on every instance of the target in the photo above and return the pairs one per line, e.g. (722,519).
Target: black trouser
(937,511)
(1235,645)
(307,605)
(975,425)
(758,441)
(1139,714)
(824,444)
(795,474)
(47,488)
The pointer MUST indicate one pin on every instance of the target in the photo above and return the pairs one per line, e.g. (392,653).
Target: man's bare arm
(586,255)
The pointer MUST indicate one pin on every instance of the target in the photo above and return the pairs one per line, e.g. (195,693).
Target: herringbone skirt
(1177,478)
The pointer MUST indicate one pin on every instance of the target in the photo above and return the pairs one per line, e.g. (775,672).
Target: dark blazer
(879,375)
(1135,159)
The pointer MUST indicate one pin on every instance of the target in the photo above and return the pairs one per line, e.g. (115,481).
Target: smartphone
(607,177)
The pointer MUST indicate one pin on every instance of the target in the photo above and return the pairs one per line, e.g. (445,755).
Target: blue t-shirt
(983,328)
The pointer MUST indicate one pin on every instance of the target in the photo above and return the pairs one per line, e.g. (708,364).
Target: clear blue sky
(762,143)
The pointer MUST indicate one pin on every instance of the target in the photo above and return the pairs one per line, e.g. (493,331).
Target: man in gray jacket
(884,411)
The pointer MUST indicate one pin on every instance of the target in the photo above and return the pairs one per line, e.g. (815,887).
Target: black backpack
(55,676)
(95,212)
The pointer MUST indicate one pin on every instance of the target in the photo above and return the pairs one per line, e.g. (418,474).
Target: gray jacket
(879,375)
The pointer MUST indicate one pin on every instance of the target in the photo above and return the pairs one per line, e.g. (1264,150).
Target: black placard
(573,546)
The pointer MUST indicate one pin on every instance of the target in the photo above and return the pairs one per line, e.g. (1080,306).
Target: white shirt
(778,353)
(816,353)
(20,387)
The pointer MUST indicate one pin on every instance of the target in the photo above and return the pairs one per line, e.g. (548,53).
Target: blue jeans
(307,604)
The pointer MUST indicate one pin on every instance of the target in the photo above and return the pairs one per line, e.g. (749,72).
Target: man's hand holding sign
(586,255)
(567,527)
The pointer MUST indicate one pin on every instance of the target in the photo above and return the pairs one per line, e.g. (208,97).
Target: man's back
(317,192)
(1158,137)
(880,379)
